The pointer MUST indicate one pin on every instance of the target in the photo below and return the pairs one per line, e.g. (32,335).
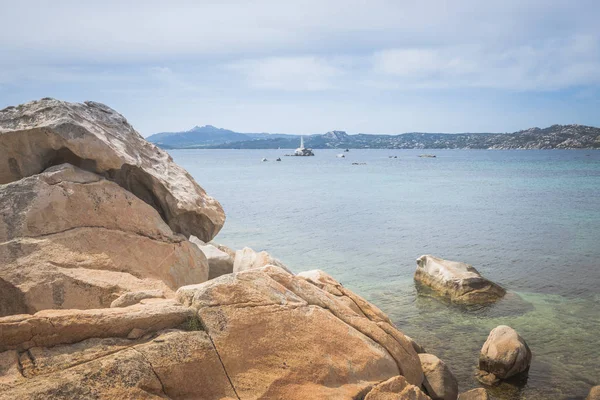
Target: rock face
(175,364)
(396,388)
(504,353)
(72,239)
(246,313)
(474,394)
(439,382)
(458,281)
(40,134)
(219,262)
(247,258)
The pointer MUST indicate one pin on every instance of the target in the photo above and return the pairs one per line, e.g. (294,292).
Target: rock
(175,365)
(504,353)
(52,327)
(456,280)
(10,369)
(224,249)
(72,239)
(418,348)
(247,258)
(474,394)
(131,298)
(396,388)
(594,393)
(281,336)
(219,262)
(439,382)
(94,137)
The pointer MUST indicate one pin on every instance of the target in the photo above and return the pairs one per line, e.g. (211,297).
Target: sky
(310,66)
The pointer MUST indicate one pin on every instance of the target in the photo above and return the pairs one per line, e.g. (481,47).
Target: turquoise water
(528,220)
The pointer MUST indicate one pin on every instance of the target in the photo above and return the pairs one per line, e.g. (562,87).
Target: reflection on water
(527,220)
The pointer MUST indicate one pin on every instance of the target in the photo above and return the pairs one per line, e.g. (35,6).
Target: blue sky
(310,66)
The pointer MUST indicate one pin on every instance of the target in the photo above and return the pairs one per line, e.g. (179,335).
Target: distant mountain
(197,136)
(553,137)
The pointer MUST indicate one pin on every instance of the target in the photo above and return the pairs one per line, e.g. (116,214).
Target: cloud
(306,73)
(548,65)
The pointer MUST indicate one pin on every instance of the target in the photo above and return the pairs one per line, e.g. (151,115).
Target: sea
(528,220)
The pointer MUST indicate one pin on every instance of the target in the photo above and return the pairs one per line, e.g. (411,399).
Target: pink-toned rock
(72,239)
(505,353)
(396,388)
(245,314)
(247,258)
(52,327)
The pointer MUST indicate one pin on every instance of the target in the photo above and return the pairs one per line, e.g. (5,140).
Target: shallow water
(528,220)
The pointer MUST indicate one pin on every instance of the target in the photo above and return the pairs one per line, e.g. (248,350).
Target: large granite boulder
(504,354)
(53,327)
(282,336)
(71,239)
(459,282)
(439,382)
(396,388)
(40,134)
(247,258)
(174,364)
(219,261)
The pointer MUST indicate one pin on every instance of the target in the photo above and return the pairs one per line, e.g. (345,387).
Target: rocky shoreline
(111,286)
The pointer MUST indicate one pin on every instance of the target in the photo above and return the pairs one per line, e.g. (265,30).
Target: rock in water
(247,258)
(594,393)
(439,382)
(396,388)
(504,353)
(72,239)
(474,394)
(281,336)
(456,280)
(39,134)
(219,262)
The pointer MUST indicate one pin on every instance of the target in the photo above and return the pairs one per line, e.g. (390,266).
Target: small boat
(346,151)
(393,156)
(359,163)
(278,159)
(341,155)
(264,159)
(427,156)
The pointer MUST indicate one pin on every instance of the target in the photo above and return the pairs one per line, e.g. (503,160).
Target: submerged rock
(272,330)
(504,354)
(458,281)
(474,394)
(439,382)
(396,388)
(247,258)
(72,239)
(94,137)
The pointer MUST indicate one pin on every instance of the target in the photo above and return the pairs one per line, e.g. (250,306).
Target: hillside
(553,137)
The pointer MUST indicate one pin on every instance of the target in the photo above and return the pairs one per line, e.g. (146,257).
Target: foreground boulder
(71,239)
(458,281)
(247,258)
(396,388)
(439,382)
(219,261)
(474,394)
(504,354)
(40,134)
(281,336)
(174,364)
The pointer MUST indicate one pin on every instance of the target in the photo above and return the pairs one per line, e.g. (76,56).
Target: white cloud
(307,73)
(548,65)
